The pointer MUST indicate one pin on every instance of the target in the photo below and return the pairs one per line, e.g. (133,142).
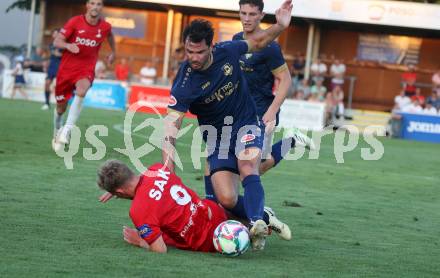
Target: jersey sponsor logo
(59,98)
(247,138)
(99,34)
(86,42)
(227,69)
(144,230)
(248,55)
(81,31)
(206,85)
(193,208)
(221,93)
(244,68)
(172,102)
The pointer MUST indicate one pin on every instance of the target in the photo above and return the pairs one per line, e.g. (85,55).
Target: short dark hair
(257,3)
(113,174)
(199,30)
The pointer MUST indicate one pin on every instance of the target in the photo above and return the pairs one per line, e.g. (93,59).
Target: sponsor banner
(34,87)
(152,96)
(421,127)
(129,24)
(106,95)
(302,114)
(389,49)
(389,13)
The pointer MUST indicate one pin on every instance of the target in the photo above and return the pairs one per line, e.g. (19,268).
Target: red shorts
(218,216)
(66,84)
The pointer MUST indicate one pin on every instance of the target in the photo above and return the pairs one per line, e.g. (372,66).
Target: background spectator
(419,97)
(409,79)
(122,70)
(19,81)
(330,108)
(297,69)
(436,81)
(429,109)
(318,71)
(338,98)
(434,100)
(317,92)
(304,87)
(100,69)
(178,58)
(401,101)
(337,72)
(414,107)
(37,62)
(148,74)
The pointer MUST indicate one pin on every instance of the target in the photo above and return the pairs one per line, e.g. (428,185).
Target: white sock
(74,111)
(57,121)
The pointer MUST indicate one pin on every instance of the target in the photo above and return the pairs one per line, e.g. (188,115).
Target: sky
(14,25)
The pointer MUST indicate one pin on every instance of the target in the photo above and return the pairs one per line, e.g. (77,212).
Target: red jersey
(163,205)
(88,38)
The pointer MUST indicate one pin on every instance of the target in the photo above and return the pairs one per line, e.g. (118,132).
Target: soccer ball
(231,238)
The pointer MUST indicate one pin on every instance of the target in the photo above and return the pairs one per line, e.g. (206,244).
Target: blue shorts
(19,80)
(224,156)
(52,70)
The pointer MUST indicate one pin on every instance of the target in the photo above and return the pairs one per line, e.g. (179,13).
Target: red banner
(157,97)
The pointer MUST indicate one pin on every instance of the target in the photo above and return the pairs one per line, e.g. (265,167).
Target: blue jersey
(219,91)
(258,68)
(54,58)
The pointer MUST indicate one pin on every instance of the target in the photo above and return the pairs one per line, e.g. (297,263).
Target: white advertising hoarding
(302,114)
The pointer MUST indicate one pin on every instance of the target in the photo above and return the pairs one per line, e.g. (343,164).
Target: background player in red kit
(81,37)
(164,210)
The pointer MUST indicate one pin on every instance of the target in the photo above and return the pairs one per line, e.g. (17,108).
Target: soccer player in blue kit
(262,70)
(211,85)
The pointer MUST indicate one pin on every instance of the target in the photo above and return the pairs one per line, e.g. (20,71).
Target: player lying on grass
(163,210)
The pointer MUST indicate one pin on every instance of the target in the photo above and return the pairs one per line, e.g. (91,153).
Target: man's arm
(111,42)
(284,81)
(263,38)
(132,236)
(173,122)
(60,42)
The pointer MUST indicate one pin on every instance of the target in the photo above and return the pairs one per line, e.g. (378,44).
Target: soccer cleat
(301,139)
(276,225)
(56,145)
(258,233)
(64,136)
(45,107)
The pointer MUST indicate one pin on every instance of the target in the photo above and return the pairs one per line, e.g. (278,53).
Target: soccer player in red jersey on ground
(163,210)
(81,38)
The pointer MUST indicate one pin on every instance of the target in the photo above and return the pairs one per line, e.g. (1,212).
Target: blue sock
(209,189)
(253,197)
(278,152)
(239,209)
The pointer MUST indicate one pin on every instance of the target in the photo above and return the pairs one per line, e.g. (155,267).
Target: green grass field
(357,219)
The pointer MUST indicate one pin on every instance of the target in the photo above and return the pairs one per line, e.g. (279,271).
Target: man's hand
(105,197)
(132,236)
(72,48)
(284,14)
(269,120)
(111,58)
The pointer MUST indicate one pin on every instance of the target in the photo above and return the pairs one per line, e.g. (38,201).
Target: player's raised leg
(82,86)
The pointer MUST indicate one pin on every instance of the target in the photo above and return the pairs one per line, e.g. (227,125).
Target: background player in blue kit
(52,70)
(211,85)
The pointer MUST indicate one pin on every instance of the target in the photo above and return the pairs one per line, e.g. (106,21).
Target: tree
(24,5)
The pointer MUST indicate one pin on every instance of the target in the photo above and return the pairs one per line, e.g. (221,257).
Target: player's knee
(61,109)
(248,168)
(227,200)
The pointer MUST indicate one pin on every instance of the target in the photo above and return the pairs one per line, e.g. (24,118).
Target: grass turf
(357,219)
